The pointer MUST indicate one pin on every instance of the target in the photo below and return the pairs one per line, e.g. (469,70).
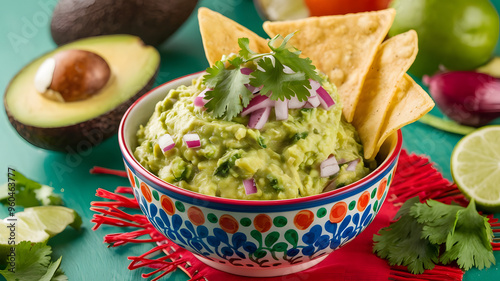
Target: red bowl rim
(128,155)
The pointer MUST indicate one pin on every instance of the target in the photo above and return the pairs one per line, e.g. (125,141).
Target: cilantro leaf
(229,94)
(289,56)
(469,242)
(245,50)
(33,263)
(52,270)
(402,244)
(438,219)
(277,83)
(28,193)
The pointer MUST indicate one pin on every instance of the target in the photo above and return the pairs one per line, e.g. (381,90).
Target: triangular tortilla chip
(220,35)
(343,47)
(391,62)
(409,104)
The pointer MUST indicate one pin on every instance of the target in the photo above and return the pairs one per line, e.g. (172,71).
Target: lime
(458,34)
(36,224)
(475,166)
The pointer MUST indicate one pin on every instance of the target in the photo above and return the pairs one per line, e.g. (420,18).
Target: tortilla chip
(391,62)
(220,35)
(342,47)
(409,104)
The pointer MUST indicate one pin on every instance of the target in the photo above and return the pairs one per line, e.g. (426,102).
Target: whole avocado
(457,34)
(152,20)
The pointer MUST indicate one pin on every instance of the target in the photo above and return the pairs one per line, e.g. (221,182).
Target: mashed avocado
(283,157)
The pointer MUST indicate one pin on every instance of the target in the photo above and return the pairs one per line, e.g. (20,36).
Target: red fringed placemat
(415,176)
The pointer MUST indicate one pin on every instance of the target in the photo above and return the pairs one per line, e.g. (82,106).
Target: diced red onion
(258,118)
(341,161)
(314,101)
(329,167)
(329,171)
(192,140)
(308,105)
(166,142)
(325,99)
(258,102)
(200,100)
(249,186)
(253,89)
(295,103)
(246,70)
(330,186)
(329,161)
(315,85)
(352,165)
(281,109)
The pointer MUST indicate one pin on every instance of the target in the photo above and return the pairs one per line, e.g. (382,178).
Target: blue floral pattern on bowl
(260,240)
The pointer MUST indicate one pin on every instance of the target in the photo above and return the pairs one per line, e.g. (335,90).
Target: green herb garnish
(299,136)
(432,232)
(33,262)
(226,163)
(28,193)
(274,183)
(261,142)
(229,94)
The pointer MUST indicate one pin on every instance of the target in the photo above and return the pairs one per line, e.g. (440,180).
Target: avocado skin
(81,136)
(152,20)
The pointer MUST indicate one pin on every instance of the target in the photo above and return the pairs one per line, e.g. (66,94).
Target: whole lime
(458,34)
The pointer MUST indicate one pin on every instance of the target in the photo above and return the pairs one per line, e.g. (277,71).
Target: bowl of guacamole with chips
(275,155)
(302,153)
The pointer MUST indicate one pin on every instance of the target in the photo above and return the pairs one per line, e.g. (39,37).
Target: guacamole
(283,158)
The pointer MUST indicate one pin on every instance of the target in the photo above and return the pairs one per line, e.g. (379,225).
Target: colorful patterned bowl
(253,238)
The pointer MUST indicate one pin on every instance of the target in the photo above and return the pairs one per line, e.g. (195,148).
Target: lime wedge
(475,166)
(36,224)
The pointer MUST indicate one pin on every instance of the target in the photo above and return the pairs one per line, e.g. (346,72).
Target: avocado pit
(72,75)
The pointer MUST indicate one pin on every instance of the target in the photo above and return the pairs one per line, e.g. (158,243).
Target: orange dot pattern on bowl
(167,205)
(363,201)
(262,223)
(381,188)
(228,224)
(195,215)
(146,192)
(338,212)
(303,219)
(131,177)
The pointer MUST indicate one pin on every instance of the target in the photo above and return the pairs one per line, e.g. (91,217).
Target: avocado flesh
(132,65)
(55,125)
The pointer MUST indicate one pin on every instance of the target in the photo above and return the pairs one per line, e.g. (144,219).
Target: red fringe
(415,176)
(438,273)
(101,170)
(165,264)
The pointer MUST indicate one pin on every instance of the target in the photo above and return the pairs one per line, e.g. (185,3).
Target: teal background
(85,257)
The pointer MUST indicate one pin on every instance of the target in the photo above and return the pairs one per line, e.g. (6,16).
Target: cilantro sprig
(33,262)
(427,233)
(229,95)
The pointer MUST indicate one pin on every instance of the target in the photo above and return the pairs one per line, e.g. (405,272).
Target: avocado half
(79,125)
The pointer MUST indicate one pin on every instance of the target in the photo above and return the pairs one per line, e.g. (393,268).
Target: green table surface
(85,256)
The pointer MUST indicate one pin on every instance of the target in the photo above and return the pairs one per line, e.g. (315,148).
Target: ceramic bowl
(253,238)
